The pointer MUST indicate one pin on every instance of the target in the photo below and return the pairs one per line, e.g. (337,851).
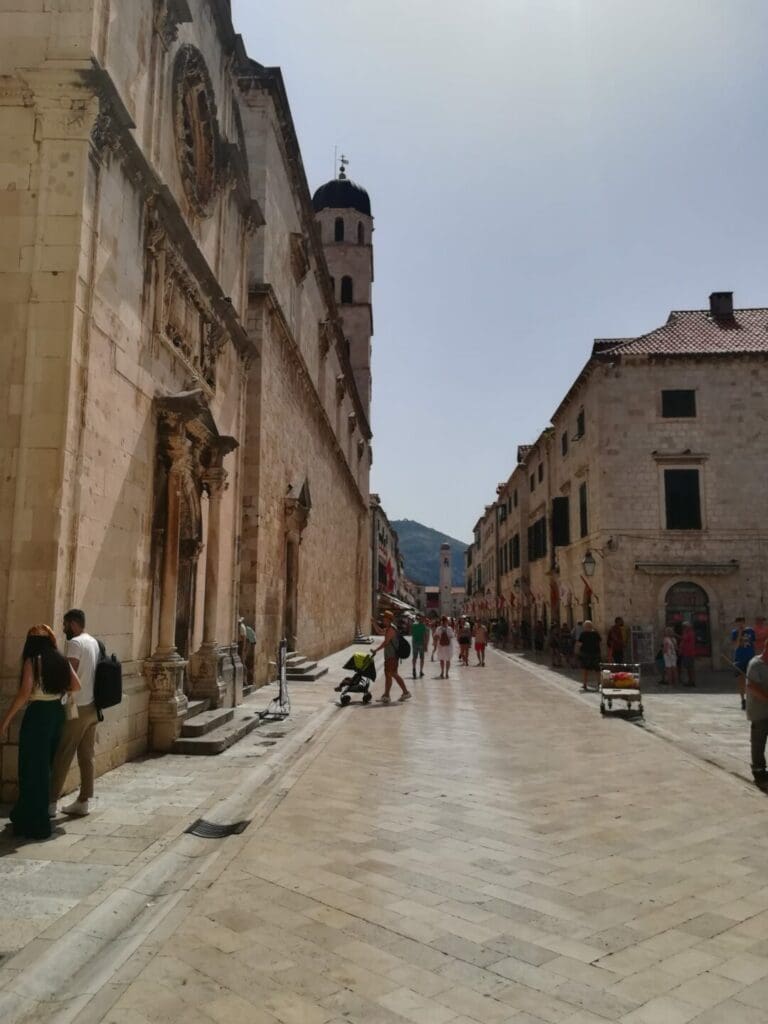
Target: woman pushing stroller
(390,645)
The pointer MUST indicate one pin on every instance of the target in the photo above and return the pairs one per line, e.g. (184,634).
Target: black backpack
(403,648)
(107,681)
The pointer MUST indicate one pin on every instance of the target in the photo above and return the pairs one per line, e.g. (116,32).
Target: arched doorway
(688,602)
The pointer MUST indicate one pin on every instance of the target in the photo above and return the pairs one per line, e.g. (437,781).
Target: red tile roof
(696,332)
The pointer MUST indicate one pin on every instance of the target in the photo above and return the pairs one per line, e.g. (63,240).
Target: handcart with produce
(620,683)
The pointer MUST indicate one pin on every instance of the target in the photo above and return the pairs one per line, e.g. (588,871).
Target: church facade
(183,441)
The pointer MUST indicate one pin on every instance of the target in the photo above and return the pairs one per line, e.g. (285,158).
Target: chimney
(721,305)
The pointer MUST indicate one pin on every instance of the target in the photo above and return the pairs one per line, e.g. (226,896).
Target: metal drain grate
(210,830)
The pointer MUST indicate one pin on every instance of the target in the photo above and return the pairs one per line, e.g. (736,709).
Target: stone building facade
(305,546)
(170,360)
(637,500)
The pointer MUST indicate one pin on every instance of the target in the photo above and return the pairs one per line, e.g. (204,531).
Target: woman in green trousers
(45,682)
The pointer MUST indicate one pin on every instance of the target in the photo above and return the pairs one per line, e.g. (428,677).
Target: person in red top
(761,633)
(687,652)
(615,640)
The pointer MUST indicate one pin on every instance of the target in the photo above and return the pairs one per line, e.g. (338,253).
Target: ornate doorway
(688,602)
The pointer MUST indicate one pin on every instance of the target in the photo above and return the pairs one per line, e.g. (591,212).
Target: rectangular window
(533,481)
(537,539)
(541,471)
(678,404)
(516,551)
(682,499)
(583,517)
(580,424)
(564,442)
(514,498)
(561,531)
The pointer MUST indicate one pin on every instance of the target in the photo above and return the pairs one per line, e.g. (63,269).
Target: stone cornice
(113,130)
(687,568)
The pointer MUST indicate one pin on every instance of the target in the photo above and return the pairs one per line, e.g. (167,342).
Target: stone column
(164,671)
(209,668)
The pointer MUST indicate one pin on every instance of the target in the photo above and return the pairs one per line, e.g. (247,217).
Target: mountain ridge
(420,548)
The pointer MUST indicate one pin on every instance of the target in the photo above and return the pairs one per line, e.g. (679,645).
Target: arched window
(346,289)
(338,230)
(360,233)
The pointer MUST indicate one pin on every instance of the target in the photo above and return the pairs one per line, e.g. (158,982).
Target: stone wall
(86,289)
(307,432)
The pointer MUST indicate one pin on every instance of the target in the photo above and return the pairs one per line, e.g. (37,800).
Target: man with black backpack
(79,734)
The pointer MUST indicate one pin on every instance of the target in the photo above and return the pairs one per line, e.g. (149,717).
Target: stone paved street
(707,721)
(492,851)
(141,809)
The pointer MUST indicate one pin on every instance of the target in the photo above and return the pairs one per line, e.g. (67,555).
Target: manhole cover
(210,830)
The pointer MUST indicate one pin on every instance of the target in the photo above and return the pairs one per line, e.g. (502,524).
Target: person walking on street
(391,645)
(481,642)
(589,653)
(445,645)
(555,654)
(615,641)
(419,641)
(669,653)
(46,682)
(687,652)
(433,631)
(757,713)
(465,642)
(743,651)
(79,734)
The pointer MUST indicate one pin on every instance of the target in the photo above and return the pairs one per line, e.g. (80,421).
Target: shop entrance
(688,602)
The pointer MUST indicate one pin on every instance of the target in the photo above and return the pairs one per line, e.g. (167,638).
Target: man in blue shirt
(743,644)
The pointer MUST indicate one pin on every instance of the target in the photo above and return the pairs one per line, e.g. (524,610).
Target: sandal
(385,699)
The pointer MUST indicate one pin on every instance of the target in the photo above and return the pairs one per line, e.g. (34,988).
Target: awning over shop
(395,604)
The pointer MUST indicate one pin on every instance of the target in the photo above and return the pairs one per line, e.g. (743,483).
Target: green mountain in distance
(420,548)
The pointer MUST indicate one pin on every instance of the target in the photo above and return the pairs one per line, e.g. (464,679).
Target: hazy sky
(541,172)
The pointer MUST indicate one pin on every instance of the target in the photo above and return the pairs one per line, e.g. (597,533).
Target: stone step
(248,690)
(305,666)
(217,740)
(309,676)
(207,721)
(195,708)
(295,663)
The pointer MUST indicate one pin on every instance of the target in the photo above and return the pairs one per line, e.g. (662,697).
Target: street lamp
(588,564)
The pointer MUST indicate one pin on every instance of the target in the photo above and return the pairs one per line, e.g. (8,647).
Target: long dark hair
(51,669)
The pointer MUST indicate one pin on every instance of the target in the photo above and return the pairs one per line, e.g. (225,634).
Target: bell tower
(343,212)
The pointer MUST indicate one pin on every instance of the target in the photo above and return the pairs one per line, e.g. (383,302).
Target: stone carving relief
(182,316)
(168,15)
(325,337)
(198,143)
(299,256)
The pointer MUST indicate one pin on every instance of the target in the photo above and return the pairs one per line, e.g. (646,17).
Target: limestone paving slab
(141,807)
(425,865)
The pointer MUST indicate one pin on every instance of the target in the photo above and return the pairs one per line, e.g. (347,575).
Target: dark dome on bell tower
(342,194)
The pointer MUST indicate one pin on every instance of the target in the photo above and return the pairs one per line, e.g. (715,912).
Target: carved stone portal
(298,505)
(192,451)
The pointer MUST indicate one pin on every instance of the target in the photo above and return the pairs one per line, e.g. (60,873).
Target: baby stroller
(364,672)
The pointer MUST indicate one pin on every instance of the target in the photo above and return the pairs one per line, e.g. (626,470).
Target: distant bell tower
(446,578)
(343,211)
